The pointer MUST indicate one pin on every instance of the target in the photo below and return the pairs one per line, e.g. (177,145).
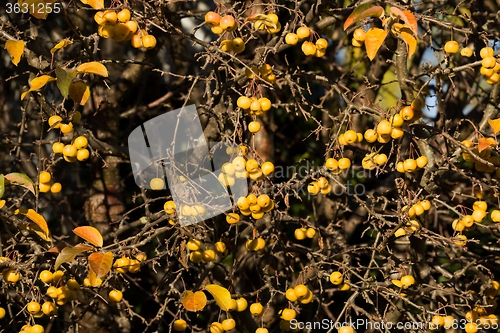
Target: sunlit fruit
(407,113)
(241,304)
(301,290)
(466,52)
(486,52)
(110,17)
(291,38)
(66,128)
(254,126)
(180,325)
(238,45)
(121,264)
(149,41)
(290,295)
(407,281)
(384,128)
(336,278)
(359,35)
(157,184)
(228,23)
(232,218)
(33,307)
(10,275)
(49,308)
(288,314)
(115,296)
(123,15)
(451,47)
(308,48)
(303,32)
(228,324)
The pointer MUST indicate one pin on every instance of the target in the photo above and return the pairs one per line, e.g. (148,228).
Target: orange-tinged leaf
(68,254)
(374,39)
(495,125)
(194,301)
(35,217)
(407,17)
(90,234)
(38,83)
(96,4)
(485,143)
(101,263)
(15,49)
(79,92)
(366,10)
(20,180)
(221,295)
(60,45)
(411,42)
(2,203)
(93,68)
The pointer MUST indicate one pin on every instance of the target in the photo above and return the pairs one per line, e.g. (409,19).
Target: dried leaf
(2,186)
(495,125)
(96,4)
(93,68)
(485,143)
(221,295)
(38,83)
(35,217)
(15,49)
(407,17)
(79,92)
(194,301)
(411,42)
(261,17)
(64,79)
(60,45)
(101,263)
(68,254)
(21,180)
(90,234)
(367,10)
(374,39)
(183,254)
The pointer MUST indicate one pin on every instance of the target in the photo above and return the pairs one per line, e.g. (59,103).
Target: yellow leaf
(411,42)
(93,68)
(37,8)
(35,228)
(495,125)
(194,301)
(79,92)
(38,83)
(61,45)
(15,49)
(2,203)
(221,295)
(485,143)
(36,218)
(374,39)
(96,4)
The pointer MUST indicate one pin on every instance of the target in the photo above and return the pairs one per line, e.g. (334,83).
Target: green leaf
(64,79)
(68,254)
(21,180)
(363,11)
(2,186)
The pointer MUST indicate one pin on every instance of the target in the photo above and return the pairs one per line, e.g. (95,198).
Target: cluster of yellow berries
(270,23)
(467,222)
(300,293)
(237,45)
(197,255)
(302,233)
(254,245)
(411,165)
(254,106)
(119,27)
(238,305)
(61,295)
(484,154)
(220,24)
(241,168)
(336,167)
(131,265)
(75,151)
(320,185)
(44,183)
(338,279)
(32,329)
(317,49)
(489,65)
(482,316)
(370,161)
(65,128)
(358,38)
(416,210)
(405,282)
(265,72)
(255,206)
